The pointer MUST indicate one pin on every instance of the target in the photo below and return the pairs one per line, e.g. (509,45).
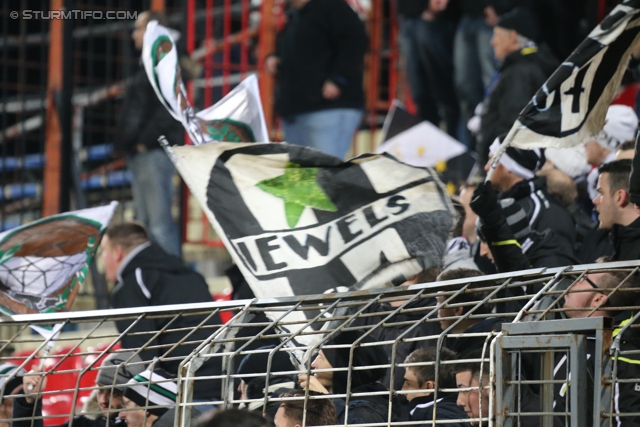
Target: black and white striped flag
(298,221)
(571,106)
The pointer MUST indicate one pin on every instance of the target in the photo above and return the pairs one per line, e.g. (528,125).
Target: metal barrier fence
(542,360)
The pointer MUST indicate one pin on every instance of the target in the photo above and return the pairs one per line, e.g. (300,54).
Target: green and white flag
(43,264)
(299,222)
(238,117)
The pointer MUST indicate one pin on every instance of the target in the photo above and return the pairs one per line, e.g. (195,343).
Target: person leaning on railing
(100,409)
(598,294)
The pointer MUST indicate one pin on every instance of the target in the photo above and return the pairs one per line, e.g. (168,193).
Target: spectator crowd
(472,66)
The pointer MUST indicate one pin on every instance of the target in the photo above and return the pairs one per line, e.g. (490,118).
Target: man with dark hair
(615,210)
(147,276)
(143,118)
(430,394)
(451,309)
(473,378)
(305,412)
(474,375)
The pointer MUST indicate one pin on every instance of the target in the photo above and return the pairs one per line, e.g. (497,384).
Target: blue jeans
(329,131)
(152,185)
(475,64)
(427,47)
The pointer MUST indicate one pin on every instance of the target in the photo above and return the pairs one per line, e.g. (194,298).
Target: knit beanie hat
(152,389)
(621,124)
(522,21)
(112,373)
(256,363)
(362,356)
(570,160)
(516,217)
(524,163)
(7,384)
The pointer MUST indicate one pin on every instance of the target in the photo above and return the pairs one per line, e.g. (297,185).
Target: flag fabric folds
(238,117)
(572,104)
(299,222)
(43,264)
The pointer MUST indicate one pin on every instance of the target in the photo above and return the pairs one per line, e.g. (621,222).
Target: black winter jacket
(446,409)
(596,243)
(543,211)
(521,75)
(627,394)
(151,277)
(369,408)
(325,40)
(465,345)
(143,119)
(544,249)
(626,241)
(391,332)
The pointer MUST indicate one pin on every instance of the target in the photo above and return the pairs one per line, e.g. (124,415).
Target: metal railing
(528,326)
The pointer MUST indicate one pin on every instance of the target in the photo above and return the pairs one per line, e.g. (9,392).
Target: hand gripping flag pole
(49,334)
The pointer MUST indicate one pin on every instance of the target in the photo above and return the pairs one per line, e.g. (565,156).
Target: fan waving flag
(43,264)
(238,117)
(571,106)
(298,221)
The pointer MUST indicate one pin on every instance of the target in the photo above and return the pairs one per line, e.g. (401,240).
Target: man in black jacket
(147,276)
(426,34)
(422,378)
(525,67)
(143,118)
(319,65)
(514,177)
(615,210)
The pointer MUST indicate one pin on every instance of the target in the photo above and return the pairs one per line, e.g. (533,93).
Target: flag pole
(50,336)
(501,150)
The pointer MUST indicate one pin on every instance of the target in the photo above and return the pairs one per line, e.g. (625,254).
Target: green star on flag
(299,189)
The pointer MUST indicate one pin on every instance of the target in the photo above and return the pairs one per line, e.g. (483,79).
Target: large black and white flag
(571,106)
(299,222)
